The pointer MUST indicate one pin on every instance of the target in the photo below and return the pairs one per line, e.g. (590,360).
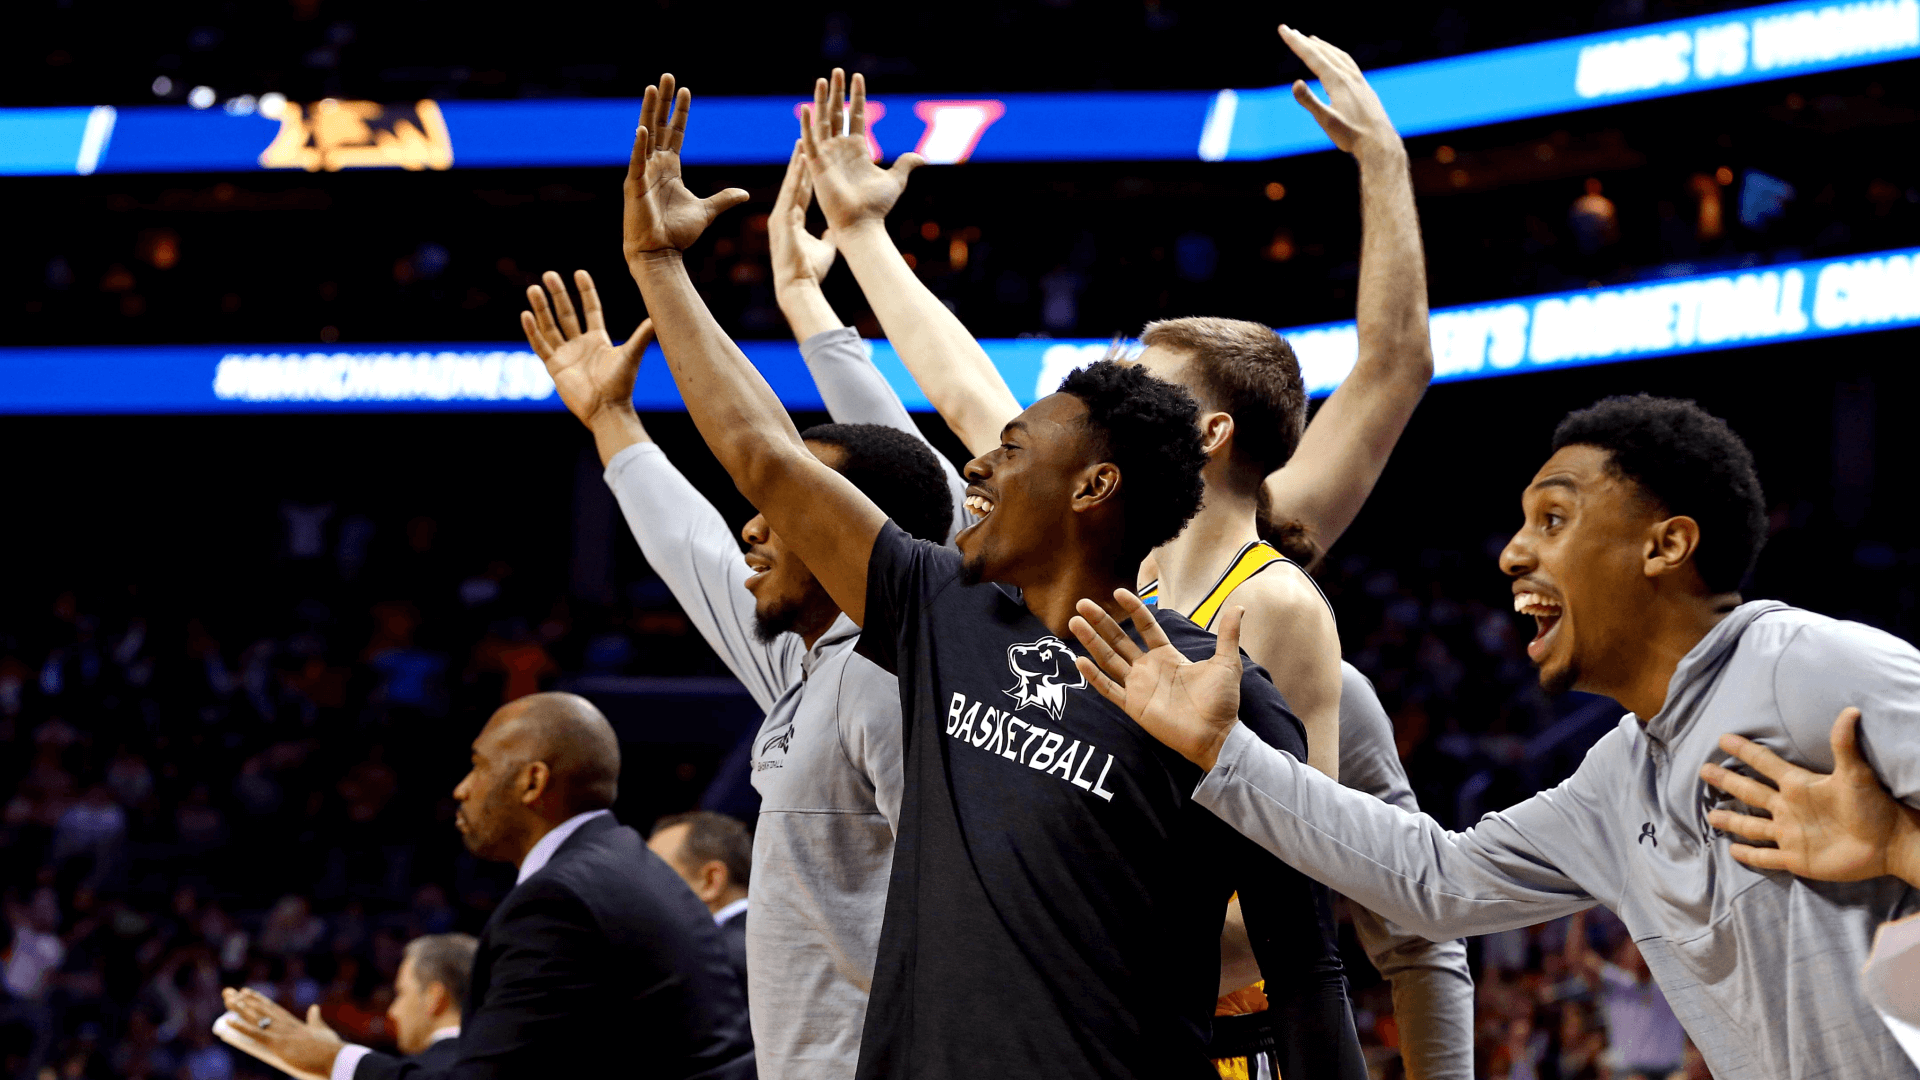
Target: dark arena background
(244,644)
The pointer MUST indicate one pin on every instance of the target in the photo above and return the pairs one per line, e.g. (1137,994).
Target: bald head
(574,740)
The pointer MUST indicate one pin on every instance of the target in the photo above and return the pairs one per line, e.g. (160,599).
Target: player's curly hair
(897,471)
(1690,463)
(1146,427)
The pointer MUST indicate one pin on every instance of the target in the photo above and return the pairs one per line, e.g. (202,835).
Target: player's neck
(1671,629)
(1190,563)
(1052,600)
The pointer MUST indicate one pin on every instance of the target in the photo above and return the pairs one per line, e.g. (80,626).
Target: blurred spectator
(1647,1040)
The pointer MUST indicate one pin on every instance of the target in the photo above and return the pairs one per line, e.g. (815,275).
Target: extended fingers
(641,338)
(836,117)
(1108,689)
(543,316)
(790,183)
(1109,630)
(1226,647)
(1746,825)
(1760,858)
(1845,741)
(858,124)
(1143,620)
(590,309)
(535,340)
(1745,788)
(569,321)
(649,111)
(1102,649)
(1769,764)
(677,127)
(818,122)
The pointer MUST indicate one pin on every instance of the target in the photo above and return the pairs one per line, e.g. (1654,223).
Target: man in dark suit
(429,992)
(713,854)
(599,958)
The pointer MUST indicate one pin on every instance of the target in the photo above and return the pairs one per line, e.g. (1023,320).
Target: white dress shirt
(720,917)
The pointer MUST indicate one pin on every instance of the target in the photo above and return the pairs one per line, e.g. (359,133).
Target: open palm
(798,255)
(852,189)
(1833,827)
(1189,706)
(1352,114)
(661,214)
(590,370)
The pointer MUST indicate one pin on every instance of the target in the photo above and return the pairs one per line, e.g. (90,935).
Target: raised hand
(851,188)
(1842,826)
(1352,115)
(661,214)
(592,373)
(799,257)
(1190,707)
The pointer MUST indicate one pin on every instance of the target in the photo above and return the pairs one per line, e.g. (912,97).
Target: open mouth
(979,505)
(761,567)
(1546,613)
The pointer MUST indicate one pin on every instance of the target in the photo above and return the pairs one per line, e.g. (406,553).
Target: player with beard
(1056,899)
(826,760)
(1276,485)
(1638,533)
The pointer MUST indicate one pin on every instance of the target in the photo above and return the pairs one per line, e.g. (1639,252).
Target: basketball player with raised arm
(1253,412)
(1056,901)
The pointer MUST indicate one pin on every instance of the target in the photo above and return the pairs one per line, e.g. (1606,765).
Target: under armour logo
(1646,833)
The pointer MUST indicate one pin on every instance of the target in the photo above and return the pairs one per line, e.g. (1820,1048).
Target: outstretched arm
(853,389)
(1346,446)
(1439,884)
(856,194)
(684,538)
(816,511)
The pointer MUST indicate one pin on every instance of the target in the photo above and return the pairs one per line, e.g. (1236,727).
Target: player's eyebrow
(1557,480)
(1012,426)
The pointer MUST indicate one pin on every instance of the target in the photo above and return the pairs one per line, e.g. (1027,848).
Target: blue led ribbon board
(1657,60)
(1783,302)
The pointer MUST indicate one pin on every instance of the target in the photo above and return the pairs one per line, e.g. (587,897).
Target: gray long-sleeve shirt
(826,763)
(1761,967)
(1432,986)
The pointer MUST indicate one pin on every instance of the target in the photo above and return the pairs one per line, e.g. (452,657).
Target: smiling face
(1579,568)
(1022,490)
(786,595)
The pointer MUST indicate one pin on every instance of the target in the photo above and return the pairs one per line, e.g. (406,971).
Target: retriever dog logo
(1044,672)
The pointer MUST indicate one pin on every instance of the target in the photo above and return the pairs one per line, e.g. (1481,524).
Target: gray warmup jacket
(1762,968)
(826,763)
(1432,987)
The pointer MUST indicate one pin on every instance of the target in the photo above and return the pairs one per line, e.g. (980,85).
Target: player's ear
(1671,545)
(1216,432)
(1097,484)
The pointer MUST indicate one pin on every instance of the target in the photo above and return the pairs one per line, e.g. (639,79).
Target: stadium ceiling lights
(1543,79)
(1761,305)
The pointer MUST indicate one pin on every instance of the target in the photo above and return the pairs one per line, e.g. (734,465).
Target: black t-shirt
(1057,898)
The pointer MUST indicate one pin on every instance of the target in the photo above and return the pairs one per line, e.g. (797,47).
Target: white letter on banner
(1549,332)
(1720,50)
(1792,314)
(1326,356)
(1640,63)
(1830,296)
(1508,331)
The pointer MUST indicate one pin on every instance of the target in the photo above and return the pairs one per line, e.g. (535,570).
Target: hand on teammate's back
(661,214)
(799,257)
(592,373)
(1841,826)
(1189,706)
(1352,115)
(852,189)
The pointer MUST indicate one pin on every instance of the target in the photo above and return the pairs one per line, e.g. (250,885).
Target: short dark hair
(713,837)
(897,471)
(446,959)
(1691,464)
(1246,370)
(1145,426)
